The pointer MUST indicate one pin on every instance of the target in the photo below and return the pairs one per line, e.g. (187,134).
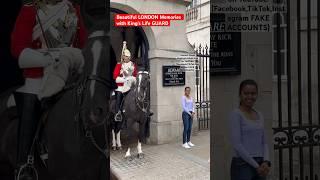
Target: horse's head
(142,85)
(97,83)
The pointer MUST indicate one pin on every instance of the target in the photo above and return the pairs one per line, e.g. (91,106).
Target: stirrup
(118,117)
(44,159)
(43,151)
(27,168)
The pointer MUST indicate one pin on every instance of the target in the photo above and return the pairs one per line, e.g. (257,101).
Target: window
(193,4)
(279,21)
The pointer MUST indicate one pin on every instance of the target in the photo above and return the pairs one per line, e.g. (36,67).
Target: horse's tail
(144,133)
(147,127)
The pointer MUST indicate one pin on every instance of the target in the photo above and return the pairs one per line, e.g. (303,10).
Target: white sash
(50,17)
(129,80)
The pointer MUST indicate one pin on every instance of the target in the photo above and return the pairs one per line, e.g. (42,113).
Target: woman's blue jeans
(187,126)
(241,170)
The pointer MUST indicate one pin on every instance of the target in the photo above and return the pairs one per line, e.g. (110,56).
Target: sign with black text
(225,49)
(173,76)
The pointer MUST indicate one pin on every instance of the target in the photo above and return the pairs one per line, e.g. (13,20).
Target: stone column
(166,125)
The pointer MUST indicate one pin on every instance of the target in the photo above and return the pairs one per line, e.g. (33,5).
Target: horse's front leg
(140,153)
(119,147)
(114,146)
(128,155)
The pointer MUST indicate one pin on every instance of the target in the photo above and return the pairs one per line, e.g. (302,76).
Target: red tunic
(21,36)
(117,69)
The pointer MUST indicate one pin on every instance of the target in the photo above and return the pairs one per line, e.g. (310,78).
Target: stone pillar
(256,63)
(166,124)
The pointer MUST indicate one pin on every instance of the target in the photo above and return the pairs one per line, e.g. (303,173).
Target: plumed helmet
(126,52)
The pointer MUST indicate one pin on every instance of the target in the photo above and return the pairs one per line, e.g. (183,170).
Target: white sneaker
(185,145)
(190,144)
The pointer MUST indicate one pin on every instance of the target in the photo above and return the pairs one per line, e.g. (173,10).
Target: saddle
(46,105)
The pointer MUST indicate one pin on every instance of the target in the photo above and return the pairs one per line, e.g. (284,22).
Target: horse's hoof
(119,148)
(128,158)
(140,155)
(114,148)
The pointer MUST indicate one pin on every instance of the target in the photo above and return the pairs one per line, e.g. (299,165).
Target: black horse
(76,127)
(136,111)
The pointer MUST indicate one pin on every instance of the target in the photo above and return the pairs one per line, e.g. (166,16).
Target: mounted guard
(124,74)
(43,38)
(134,108)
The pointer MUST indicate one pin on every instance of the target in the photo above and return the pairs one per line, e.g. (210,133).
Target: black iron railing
(202,88)
(297,134)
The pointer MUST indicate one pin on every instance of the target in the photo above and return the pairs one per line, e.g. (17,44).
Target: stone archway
(139,39)
(123,8)
(136,39)
(137,43)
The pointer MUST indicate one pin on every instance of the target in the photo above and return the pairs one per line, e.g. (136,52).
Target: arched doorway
(137,43)
(136,38)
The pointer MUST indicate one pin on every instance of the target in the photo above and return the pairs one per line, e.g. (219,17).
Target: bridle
(142,103)
(79,102)
(81,87)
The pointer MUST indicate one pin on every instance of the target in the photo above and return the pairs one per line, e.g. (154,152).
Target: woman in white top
(187,117)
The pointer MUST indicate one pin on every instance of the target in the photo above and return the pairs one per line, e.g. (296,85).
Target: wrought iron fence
(202,87)
(297,119)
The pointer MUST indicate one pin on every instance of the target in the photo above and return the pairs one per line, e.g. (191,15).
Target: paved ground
(168,161)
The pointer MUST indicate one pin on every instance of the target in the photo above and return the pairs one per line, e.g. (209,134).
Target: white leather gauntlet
(120,80)
(30,58)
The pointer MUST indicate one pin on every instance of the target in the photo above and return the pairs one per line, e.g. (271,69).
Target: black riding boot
(118,101)
(118,116)
(28,107)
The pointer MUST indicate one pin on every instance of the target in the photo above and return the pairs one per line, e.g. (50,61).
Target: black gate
(202,88)
(296,83)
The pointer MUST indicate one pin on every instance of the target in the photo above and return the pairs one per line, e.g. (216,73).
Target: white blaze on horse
(135,111)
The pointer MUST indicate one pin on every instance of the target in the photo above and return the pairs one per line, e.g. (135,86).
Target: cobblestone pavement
(168,161)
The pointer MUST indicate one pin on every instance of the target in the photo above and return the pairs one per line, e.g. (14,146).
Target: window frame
(283,25)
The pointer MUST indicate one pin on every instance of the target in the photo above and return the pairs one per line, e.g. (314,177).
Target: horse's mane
(133,86)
